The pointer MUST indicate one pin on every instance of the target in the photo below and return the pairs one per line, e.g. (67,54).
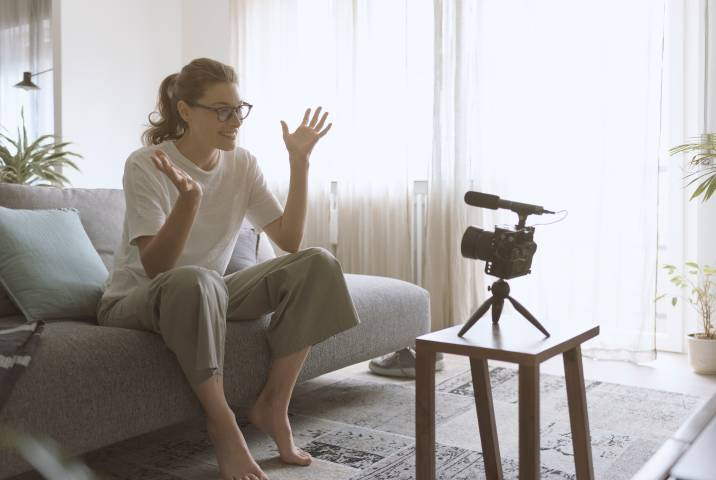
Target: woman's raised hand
(300,143)
(185,184)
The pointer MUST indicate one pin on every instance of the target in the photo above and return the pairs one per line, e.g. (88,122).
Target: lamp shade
(26,83)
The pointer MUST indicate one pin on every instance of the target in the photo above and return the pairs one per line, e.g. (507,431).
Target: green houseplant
(34,162)
(701,345)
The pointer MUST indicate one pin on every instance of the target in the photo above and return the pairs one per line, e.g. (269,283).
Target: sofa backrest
(101,212)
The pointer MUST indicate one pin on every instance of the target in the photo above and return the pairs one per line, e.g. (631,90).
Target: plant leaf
(24,131)
(39,140)
(699,190)
(711,187)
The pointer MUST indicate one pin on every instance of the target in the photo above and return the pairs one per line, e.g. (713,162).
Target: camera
(507,251)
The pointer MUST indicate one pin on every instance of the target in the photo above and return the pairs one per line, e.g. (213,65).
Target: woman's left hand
(300,143)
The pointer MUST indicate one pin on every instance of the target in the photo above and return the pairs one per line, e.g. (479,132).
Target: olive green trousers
(189,306)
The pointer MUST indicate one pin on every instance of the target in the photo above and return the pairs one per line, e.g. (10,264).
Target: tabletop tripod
(500,290)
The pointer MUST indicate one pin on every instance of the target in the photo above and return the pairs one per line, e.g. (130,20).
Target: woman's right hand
(186,185)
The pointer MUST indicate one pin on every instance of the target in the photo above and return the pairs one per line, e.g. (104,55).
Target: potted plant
(701,345)
(33,162)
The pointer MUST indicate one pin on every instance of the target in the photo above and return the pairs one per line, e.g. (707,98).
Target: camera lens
(477,243)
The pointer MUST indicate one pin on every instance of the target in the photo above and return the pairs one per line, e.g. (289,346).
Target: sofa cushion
(101,210)
(251,248)
(48,266)
(265,250)
(245,252)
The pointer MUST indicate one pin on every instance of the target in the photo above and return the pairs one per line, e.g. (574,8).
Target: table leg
(529,422)
(424,414)
(578,418)
(486,418)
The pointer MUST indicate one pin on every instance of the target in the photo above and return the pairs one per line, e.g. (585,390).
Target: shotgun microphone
(485,200)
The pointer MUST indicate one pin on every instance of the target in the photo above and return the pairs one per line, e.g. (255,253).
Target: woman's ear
(184,111)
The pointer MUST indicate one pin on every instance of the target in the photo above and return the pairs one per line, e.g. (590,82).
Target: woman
(187,192)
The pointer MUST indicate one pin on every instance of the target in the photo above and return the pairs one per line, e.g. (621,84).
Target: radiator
(418,214)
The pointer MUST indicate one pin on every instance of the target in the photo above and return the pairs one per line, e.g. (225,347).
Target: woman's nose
(234,120)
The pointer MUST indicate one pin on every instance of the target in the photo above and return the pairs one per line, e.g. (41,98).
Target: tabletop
(513,339)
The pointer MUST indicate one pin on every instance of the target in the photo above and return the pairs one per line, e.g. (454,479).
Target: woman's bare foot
(232,453)
(272,419)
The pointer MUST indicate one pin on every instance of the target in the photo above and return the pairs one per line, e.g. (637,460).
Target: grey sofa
(89,386)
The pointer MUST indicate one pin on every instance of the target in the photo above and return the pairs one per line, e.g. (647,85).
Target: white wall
(206,30)
(112,56)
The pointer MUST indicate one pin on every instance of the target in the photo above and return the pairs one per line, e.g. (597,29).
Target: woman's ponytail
(188,85)
(170,125)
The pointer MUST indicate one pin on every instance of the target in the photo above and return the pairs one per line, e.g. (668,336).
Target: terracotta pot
(702,354)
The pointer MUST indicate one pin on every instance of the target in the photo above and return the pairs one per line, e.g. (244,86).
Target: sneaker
(400,363)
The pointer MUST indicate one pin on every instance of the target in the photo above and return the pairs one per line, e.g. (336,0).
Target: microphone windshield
(484,200)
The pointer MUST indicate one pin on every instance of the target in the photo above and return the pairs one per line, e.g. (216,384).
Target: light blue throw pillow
(48,265)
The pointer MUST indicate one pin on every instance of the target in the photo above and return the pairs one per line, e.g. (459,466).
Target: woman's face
(205,125)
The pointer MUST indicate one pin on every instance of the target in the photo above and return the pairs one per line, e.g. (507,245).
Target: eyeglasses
(224,113)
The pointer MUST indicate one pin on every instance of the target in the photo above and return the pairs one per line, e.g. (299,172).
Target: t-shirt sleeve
(143,195)
(263,207)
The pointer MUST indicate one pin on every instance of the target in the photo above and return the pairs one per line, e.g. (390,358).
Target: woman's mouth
(231,135)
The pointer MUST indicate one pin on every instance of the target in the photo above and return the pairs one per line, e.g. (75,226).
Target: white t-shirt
(234,187)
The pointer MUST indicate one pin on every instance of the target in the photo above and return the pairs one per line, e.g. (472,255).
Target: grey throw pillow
(245,251)
(48,265)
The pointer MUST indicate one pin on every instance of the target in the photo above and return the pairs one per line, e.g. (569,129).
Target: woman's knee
(190,289)
(191,275)
(322,262)
(193,278)
(320,255)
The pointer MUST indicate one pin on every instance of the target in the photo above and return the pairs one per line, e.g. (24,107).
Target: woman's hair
(188,85)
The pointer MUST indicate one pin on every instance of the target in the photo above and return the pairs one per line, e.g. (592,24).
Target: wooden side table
(512,340)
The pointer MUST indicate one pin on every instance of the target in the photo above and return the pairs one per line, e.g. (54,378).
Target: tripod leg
(476,316)
(497,305)
(525,313)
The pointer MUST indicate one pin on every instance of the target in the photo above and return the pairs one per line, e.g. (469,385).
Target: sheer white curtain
(369,64)
(561,104)
(455,283)
(686,228)
(26,45)
(569,105)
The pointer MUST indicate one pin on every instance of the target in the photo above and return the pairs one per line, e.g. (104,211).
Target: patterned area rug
(361,427)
